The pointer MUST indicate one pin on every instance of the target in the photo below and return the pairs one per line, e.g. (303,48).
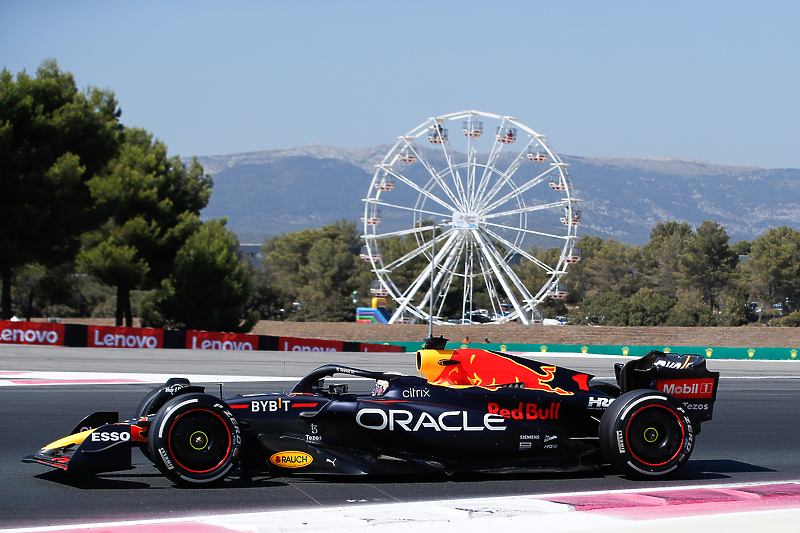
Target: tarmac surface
(752,440)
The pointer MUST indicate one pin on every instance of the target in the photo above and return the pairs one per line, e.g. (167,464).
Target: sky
(706,80)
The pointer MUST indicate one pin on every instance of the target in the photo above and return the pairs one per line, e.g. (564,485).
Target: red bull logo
(482,368)
(528,411)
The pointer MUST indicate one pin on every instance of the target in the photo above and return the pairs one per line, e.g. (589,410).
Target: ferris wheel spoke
(434,174)
(404,208)
(442,296)
(467,304)
(414,253)
(528,231)
(424,276)
(508,174)
(504,274)
(547,268)
(491,291)
(484,184)
(515,191)
(500,266)
(527,209)
(394,265)
(443,277)
(448,157)
(400,233)
(494,154)
(507,180)
(451,274)
(428,194)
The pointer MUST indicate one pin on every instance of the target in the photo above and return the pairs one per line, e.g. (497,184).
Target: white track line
(534,512)
(26,378)
(10,378)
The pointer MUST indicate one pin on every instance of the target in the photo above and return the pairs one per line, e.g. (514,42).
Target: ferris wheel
(457,201)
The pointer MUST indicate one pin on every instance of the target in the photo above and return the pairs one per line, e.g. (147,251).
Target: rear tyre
(195,440)
(646,433)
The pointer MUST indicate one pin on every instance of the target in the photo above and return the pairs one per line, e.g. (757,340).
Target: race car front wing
(99,443)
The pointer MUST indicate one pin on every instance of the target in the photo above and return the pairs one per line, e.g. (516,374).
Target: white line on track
(25,378)
(9,378)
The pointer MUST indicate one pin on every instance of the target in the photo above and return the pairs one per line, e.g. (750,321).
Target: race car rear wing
(683,376)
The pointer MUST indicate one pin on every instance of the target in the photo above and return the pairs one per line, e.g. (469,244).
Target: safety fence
(79,335)
(754,352)
(85,336)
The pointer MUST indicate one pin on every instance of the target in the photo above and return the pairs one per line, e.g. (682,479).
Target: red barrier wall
(365,347)
(114,337)
(42,333)
(293,344)
(80,336)
(211,340)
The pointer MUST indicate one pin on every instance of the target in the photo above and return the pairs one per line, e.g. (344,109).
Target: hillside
(279,191)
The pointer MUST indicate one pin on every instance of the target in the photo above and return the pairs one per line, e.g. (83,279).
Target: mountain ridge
(278,191)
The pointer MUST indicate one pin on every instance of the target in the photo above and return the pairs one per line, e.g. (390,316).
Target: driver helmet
(380,387)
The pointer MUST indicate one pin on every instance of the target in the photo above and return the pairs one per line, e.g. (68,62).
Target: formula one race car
(472,410)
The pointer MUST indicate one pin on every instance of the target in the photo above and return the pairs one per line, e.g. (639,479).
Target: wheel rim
(199,441)
(655,435)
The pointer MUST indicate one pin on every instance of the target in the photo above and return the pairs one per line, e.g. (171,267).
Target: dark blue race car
(468,410)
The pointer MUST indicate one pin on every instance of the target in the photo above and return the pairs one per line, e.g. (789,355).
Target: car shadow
(146,480)
(699,470)
(93,482)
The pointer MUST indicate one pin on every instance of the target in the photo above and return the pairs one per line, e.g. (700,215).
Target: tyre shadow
(149,478)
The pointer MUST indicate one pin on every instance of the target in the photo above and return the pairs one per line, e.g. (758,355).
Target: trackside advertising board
(41,333)
(292,344)
(211,340)
(119,337)
(365,347)
(83,336)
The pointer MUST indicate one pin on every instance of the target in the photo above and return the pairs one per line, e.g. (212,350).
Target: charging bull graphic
(487,369)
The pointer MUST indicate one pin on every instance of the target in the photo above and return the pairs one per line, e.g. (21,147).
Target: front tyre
(195,439)
(646,433)
(157,397)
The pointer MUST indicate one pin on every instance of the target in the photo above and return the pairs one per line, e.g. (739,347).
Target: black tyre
(194,440)
(646,433)
(157,397)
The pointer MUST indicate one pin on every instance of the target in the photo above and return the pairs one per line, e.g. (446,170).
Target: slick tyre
(646,434)
(195,440)
(157,397)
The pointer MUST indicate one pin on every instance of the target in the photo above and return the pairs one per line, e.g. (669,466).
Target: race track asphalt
(754,437)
